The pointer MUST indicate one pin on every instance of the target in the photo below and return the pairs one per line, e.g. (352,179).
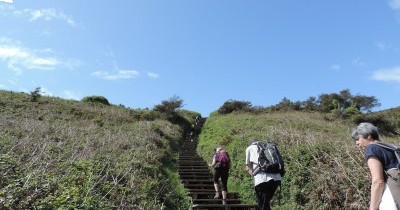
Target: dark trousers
(223,174)
(264,193)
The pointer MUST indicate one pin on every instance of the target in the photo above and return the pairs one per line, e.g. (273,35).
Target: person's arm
(249,169)
(249,165)
(213,162)
(378,182)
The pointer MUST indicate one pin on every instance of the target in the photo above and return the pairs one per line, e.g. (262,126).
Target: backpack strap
(257,168)
(393,148)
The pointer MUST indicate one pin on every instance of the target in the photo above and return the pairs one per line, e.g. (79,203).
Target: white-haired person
(382,163)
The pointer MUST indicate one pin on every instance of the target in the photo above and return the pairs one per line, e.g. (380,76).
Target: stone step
(224,207)
(215,201)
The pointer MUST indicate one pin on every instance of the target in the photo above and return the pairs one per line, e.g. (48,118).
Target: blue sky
(139,53)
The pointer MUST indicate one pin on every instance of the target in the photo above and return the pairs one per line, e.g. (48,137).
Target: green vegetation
(90,154)
(61,154)
(96,100)
(341,105)
(324,170)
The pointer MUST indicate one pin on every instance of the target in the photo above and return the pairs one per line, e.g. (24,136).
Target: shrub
(96,100)
(232,105)
(35,95)
(169,106)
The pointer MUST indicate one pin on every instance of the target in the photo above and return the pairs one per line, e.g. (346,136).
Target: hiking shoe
(216,195)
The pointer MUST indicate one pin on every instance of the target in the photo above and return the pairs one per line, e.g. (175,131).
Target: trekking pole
(280,193)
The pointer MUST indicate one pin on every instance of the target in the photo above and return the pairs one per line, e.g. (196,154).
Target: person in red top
(221,165)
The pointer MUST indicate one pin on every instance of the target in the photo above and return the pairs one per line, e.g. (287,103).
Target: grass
(324,169)
(66,154)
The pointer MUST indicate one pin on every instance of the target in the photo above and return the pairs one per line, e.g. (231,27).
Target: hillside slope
(324,169)
(65,154)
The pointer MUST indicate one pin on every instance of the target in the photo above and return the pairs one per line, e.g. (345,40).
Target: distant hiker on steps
(221,165)
(383,163)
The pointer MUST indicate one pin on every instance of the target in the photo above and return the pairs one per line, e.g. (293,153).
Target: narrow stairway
(197,179)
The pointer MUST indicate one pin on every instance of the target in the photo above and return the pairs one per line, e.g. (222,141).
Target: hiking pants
(264,193)
(223,174)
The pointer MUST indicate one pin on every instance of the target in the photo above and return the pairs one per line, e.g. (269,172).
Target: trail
(197,179)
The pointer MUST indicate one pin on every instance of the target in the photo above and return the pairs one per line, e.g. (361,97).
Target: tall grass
(57,153)
(324,169)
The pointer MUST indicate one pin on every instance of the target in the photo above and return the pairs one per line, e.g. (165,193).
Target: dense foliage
(324,170)
(342,104)
(95,100)
(60,154)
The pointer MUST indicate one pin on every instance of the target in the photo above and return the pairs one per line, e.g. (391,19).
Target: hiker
(382,163)
(265,184)
(221,165)
(191,135)
(197,120)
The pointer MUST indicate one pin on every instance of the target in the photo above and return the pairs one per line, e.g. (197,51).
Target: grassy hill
(57,153)
(324,169)
(66,154)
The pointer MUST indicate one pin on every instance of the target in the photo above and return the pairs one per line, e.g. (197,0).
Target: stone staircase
(197,179)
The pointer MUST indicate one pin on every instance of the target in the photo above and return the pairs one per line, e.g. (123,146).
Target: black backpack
(269,158)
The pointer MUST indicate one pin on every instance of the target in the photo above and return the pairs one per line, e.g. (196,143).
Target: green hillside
(89,154)
(324,169)
(57,153)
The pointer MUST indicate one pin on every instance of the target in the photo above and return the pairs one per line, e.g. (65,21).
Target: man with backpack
(265,164)
(221,165)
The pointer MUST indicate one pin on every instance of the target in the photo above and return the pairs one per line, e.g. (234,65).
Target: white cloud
(394,4)
(17,58)
(392,74)
(44,91)
(335,67)
(120,74)
(153,75)
(71,95)
(382,46)
(47,14)
(7,1)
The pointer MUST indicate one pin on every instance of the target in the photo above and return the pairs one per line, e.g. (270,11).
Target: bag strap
(393,148)
(257,169)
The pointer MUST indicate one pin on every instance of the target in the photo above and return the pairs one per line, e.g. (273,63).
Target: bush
(384,125)
(232,105)
(96,100)
(169,106)
(35,95)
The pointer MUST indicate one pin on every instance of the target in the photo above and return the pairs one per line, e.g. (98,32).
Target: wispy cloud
(153,75)
(119,74)
(44,91)
(48,14)
(382,46)
(71,95)
(7,1)
(18,58)
(3,87)
(394,4)
(335,67)
(390,74)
